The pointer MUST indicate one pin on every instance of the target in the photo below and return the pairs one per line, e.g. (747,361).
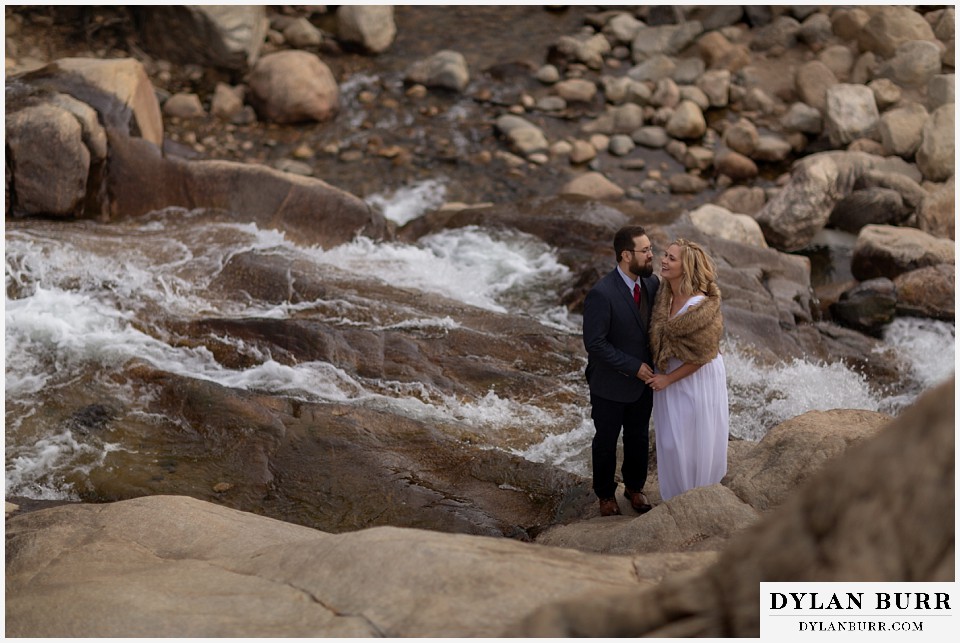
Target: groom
(616,318)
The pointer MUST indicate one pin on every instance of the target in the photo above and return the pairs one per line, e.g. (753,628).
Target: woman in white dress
(690,406)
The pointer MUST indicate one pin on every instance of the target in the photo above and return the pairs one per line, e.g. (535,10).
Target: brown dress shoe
(637,500)
(609,507)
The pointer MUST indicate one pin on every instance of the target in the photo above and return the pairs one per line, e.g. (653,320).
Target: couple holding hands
(653,347)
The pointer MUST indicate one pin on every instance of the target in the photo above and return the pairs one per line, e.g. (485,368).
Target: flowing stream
(85,299)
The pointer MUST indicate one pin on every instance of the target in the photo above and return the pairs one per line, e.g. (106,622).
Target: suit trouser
(608,418)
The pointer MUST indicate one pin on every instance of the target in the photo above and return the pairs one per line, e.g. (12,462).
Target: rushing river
(83,299)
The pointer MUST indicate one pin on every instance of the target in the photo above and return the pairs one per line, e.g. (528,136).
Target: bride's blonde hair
(698,269)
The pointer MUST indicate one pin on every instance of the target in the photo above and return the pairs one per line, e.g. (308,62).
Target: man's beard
(643,271)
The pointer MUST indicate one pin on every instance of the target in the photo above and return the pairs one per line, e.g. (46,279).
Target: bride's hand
(658,382)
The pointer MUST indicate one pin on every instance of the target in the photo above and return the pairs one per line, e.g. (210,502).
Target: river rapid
(86,303)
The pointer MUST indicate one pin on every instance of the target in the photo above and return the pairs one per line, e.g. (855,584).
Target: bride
(690,408)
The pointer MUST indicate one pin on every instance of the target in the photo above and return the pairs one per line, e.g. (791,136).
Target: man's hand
(645,373)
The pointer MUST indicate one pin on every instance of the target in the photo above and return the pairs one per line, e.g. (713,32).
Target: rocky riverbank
(660,110)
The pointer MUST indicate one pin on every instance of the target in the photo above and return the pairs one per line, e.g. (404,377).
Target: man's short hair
(623,240)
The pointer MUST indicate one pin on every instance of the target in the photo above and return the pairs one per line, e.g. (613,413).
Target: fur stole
(691,337)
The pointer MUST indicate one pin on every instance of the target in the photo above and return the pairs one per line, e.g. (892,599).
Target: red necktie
(636,294)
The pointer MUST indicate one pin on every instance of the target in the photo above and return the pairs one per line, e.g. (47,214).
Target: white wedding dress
(691,421)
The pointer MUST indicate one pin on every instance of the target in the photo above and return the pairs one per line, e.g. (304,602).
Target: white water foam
(569,451)
(408,203)
(64,330)
(926,346)
(77,306)
(512,273)
(32,469)
(763,396)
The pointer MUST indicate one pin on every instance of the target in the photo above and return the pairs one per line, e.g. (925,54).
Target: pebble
(303,151)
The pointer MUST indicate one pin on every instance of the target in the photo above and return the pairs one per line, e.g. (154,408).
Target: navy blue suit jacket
(616,339)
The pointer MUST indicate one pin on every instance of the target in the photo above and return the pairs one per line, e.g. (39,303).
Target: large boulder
(119,90)
(928,292)
(311,211)
(522,136)
(889,251)
(867,307)
(796,450)
(901,129)
(935,156)
(851,113)
(585,48)
(172,566)
(292,87)
(941,90)
(227,37)
(813,80)
(371,27)
(330,466)
(742,137)
(936,213)
(134,178)
(687,121)
(872,205)
(915,64)
(802,208)
(889,27)
(616,119)
(49,162)
(717,221)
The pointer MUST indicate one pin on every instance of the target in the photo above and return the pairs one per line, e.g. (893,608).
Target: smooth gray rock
(889,251)
(935,156)
(372,27)
(914,64)
(901,129)
(889,27)
(293,86)
(794,451)
(445,69)
(252,576)
(851,113)
(701,519)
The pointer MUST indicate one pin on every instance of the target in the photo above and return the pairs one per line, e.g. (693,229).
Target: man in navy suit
(616,318)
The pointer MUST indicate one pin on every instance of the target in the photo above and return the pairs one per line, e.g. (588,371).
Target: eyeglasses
(643,251)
